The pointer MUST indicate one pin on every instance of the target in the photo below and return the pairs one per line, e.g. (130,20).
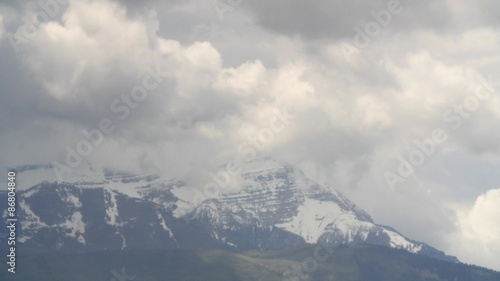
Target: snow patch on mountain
(348,227)
(124,242)
(312,219)
(76,227)
(111,207)
(30,222)
(164,225)
(399,242)
(72,199)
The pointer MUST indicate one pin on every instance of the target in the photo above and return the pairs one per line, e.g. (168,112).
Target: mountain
(64,217)
(278,197)
(271,205)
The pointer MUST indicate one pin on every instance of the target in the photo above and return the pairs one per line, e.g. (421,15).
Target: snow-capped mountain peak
(274,206)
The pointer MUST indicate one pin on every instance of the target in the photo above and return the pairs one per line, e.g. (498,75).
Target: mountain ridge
(347,263)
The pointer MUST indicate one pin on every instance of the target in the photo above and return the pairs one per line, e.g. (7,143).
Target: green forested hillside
(353,263)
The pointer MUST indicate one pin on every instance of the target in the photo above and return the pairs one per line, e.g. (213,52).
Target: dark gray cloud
(336,20)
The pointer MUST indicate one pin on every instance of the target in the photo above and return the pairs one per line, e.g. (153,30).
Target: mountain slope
(362,262)
(280,196)
(352,263)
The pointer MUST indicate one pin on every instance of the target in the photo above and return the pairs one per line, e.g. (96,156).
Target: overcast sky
(369,84)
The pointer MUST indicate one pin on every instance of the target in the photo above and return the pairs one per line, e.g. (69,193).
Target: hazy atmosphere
(394,103)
